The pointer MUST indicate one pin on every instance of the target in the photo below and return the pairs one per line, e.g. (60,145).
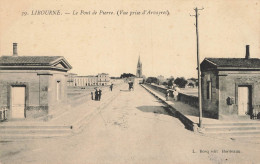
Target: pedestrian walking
(111,87)
(129,86)
(91,95)
(175,95)
(99,94)
(96,95)
(167,94)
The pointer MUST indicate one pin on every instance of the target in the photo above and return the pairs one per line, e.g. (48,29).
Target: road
(132,128)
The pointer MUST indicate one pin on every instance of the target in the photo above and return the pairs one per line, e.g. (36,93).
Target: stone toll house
(32,86)
(231,87)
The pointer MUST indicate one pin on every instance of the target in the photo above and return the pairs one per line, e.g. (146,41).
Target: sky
(110,43)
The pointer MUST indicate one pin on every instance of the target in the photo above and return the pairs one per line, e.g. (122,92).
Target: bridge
(124,127)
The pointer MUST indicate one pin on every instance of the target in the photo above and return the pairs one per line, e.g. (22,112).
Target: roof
(72,74)
(103,74)
(30,61)
(236,62)
(229,63)
(17,60)
(85,76)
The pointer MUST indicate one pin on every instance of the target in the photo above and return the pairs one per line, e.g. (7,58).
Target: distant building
(103,79)
(31,86)
(139,70)
(161,79)
(192,83)
(231,87)
(91,80)
(171,77)
(70,81)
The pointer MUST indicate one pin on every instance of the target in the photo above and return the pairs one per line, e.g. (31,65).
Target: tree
(191,85)
(125,75)
(114,77)
(193,79)
(180,82)
(197,83)
(152,80)
(170,82)
(164,83)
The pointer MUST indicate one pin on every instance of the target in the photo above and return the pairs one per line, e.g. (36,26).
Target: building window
(58,91)
(209,90)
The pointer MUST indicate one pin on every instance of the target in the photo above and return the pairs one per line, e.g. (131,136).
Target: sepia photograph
(129,81)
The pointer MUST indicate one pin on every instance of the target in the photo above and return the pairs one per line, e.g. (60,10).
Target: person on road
(91,95)
(96,95)
(167,94)
(111,87)
(175,95)
(99,94)
(130,85)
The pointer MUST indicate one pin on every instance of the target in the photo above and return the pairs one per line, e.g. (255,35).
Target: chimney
(15,49)
(247,52)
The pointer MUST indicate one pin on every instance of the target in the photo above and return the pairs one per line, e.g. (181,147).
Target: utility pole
(198,65)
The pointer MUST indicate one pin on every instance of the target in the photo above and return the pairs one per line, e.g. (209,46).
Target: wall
(160,89)
(55,104)
(228,85)
(40,89)
(30,80)
(188,99)
(210,106)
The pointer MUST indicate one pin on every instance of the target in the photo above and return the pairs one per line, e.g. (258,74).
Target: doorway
(244,100)
(18,102)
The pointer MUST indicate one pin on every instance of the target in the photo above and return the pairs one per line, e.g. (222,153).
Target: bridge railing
(187,99)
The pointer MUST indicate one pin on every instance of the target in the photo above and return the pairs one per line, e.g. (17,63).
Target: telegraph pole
(198,65)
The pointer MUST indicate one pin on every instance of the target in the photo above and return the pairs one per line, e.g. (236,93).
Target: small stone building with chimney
(231,87)
(32,86)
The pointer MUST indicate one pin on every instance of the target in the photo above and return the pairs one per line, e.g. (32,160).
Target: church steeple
(139,68)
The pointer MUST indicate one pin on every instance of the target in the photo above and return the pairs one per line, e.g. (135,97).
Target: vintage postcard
(129,81)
